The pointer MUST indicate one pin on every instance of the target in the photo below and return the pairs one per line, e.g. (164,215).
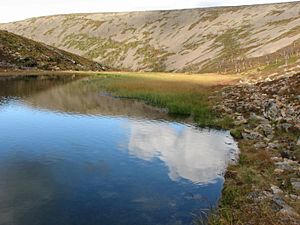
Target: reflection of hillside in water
(29,85)
(200,156)
(80,97)
(25,191)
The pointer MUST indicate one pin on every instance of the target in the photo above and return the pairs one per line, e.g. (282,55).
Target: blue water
(82,160)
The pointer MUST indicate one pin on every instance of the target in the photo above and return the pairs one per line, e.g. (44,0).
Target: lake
(72,154)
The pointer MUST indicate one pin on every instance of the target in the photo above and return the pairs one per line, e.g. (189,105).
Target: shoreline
(264,187)
(262,116)
(41,73)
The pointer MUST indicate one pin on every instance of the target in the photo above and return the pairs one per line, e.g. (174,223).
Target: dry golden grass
(181,94)
(206,79)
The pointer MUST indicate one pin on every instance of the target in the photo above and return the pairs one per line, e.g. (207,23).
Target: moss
(163,24)
(132,29)
(236,133)
(112,51)
(192,26)
(275,13)
(230,195)
(232,50)
(210,16)
(290,33)
(281,22)
(50,31)
(153,59)
(94,23)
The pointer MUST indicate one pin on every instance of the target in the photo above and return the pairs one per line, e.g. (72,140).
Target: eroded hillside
(17,53)
(195,40)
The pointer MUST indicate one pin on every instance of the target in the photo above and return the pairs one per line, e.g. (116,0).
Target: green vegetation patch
(281,22)
(292,32)
(194,25)
(112,52)
(181,98)
(232,49)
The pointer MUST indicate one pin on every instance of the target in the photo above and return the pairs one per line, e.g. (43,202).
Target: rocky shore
(264,187)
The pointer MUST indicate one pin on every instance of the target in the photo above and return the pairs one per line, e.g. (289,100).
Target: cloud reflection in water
(198,155)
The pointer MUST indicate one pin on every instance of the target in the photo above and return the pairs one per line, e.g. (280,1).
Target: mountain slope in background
(17,52)
(221,39)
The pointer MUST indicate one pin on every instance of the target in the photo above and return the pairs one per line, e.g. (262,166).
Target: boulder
(271,110)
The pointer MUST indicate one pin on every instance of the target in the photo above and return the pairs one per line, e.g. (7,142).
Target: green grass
(182,95)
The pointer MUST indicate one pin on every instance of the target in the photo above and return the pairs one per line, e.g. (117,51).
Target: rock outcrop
(266,115)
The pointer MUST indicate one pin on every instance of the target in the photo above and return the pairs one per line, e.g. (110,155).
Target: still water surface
(72,155)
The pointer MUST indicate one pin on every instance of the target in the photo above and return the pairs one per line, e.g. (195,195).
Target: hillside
(17,53)
(220,39)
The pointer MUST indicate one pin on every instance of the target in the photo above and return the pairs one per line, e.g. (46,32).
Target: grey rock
(226,109)
(276,190)
(284,126)
(276,159)
(282,90)
(260,119)
(295,197)
(287,165)
(251,135)
(240,120)
(267,129)
(256,196)
(268,79)
(296,183)
(278,171)
(273,145)
(271,110)
(280,205)
(260,145)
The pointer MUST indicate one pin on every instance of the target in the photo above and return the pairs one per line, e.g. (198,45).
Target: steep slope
(17,52)
(196,40)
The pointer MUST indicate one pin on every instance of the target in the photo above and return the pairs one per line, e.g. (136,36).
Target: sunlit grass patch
(180,94)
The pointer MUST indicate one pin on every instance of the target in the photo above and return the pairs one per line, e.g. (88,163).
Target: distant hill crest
(220,39)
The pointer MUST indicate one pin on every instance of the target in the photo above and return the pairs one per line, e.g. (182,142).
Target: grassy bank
(181,94)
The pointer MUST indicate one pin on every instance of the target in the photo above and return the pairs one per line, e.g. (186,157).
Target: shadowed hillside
(17,52)
(225,39)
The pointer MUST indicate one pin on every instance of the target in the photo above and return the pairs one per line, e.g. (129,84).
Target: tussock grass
(182,94)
